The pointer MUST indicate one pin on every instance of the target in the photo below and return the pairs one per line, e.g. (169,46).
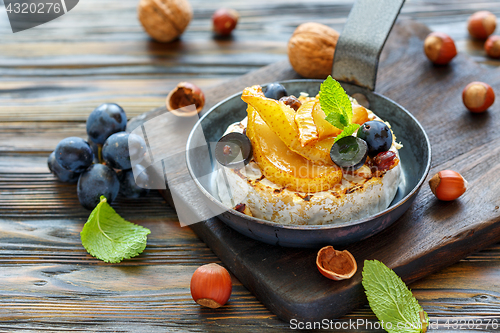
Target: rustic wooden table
(54,75)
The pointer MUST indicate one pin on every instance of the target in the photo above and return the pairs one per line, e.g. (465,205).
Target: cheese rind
(353,199)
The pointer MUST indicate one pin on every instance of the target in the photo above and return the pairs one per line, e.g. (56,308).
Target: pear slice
(325,129)
(281,120)
(308,132)
(282,166)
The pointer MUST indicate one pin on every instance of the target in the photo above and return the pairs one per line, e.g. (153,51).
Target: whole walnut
(165,20)
(311,48)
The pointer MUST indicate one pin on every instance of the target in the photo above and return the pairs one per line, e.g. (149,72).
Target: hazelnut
(224,21)
(211,285)
(481,24)
(311,48)
(164,20)
(448,185)
(492,46)
(478,96)
(181,97)
(336,265)
(439,48)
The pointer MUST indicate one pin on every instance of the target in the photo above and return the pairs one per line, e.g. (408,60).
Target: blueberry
(275,91)
(97,180)
(349,153)
(230,146)
(61,173)
(377,135)
(131,187)
(106,119)
(121,148)
(74,154)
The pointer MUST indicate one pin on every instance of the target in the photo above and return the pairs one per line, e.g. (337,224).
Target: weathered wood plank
(72,101)
(468,288)
(123,65)
(430,236)
(69,294)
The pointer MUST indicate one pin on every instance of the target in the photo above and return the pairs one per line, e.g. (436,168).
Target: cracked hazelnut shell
(336,265)
(181,97)
(164,20)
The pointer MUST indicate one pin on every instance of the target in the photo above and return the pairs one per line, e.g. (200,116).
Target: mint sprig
(348,130)
(391,300)
(107,236)
(337,107)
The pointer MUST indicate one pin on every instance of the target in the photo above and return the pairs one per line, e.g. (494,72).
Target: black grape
(74,154)
(106,119)
(95,149)
(137,148)
(120,147)
(97,180)
(61,173)
(130,188)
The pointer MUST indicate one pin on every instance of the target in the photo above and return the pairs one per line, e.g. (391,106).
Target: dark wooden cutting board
(428,237)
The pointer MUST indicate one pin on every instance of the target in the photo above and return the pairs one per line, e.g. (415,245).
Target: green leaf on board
(107,236)
(392,302)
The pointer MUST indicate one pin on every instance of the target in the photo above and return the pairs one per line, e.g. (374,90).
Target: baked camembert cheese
(291,178)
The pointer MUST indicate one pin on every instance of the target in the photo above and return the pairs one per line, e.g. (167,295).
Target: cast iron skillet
(355,64)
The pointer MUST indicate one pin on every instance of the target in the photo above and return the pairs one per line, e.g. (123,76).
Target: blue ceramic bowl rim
(309,227)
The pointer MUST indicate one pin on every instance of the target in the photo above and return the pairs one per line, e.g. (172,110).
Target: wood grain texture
(51,78)
(430,236)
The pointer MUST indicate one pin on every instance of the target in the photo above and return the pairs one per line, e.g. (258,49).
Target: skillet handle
(360,44)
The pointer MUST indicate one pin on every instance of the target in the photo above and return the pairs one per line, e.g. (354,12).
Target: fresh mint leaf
(335,119)
(107,236)
(391,300)
(344,117)
(348,130)
(335,103)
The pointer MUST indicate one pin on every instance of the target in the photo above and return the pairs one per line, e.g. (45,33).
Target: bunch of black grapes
(102,165)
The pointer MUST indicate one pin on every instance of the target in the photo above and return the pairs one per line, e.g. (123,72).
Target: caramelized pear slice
(359,114)
(308,133)
(281,120)
(284,167)
(325,129)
